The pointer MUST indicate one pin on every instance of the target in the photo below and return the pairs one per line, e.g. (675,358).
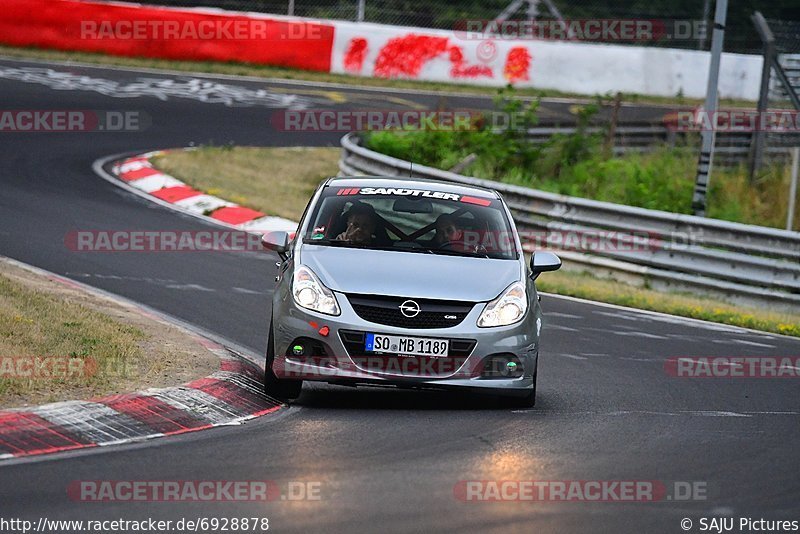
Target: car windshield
(412,220)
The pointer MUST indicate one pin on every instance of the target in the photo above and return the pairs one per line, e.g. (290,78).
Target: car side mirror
(542,262)
(277,242)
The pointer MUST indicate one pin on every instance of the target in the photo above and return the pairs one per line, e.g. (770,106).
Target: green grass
(34,323)
(280,181)
(263,71)
(276,181)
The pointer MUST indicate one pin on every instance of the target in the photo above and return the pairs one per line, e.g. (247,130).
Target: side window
(308,206)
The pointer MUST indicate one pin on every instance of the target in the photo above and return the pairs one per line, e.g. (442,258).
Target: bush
(576,165)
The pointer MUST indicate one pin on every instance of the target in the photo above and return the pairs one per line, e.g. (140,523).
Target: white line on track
(752,343)
(564,315)
(638,334)
(560,327)
(573,356)
(665,317)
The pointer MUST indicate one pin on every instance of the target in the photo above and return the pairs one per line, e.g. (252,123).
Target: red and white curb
(231,396)
(138,173)
(228,397)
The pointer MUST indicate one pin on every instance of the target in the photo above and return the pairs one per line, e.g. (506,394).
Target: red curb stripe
(242,368)
(236,214)
(23,433)
(138,174)
(185,430)
(233,395)
(268,410)
(137,159)
(175,194)
(155,413)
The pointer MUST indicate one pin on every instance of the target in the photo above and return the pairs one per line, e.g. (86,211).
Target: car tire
(281,389)
(529,400)
(526,401)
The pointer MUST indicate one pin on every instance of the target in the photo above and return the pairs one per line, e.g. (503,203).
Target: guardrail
(744,263)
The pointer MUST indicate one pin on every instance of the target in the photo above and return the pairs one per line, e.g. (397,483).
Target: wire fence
(740,36)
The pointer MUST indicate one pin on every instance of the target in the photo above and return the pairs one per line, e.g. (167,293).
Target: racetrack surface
(386,459)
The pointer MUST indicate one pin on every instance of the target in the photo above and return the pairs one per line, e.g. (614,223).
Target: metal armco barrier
(744,263)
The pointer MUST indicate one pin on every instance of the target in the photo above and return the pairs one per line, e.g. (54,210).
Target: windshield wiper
(450,252)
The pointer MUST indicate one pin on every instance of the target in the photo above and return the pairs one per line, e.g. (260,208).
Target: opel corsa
(408,283)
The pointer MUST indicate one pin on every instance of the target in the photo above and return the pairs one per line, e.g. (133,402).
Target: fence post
(290,11)
(757,141)
(793,187)
(361,8)
(707,150)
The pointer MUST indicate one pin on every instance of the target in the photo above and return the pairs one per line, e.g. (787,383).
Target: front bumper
(337,362)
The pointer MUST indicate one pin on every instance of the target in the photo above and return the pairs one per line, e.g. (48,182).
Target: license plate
(412,346)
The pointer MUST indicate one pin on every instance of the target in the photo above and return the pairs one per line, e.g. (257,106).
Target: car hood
(409,274)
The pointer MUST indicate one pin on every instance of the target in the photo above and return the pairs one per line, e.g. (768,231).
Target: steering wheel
(477,249)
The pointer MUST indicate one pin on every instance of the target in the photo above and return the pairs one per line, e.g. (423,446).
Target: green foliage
(575,164)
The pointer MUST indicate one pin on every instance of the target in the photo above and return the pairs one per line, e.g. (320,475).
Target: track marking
(638,334)
(248,291)
(164,88)
(559,327)
(675,319)
(574,357)
(564,315)
(752,343)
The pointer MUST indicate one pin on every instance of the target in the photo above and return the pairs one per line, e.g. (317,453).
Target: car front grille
(432,314)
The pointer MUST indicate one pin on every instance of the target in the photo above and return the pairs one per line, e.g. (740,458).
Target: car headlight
(309,293)
(508,308)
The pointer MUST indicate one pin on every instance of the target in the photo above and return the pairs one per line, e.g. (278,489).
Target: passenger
(447,230)
(361,224)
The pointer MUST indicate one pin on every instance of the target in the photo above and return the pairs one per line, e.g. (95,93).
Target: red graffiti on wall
(518,64)
(354,57)
(460,69)
(405,57)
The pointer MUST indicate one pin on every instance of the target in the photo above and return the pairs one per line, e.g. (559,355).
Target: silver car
(409,283)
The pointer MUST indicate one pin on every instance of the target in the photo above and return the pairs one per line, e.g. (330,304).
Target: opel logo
(409,308)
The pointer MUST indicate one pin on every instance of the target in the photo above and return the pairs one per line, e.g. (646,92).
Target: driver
(447,230)
(361,223)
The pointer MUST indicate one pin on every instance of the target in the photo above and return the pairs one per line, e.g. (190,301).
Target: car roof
(412,183)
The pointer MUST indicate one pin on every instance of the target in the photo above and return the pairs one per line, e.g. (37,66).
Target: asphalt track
(386,460)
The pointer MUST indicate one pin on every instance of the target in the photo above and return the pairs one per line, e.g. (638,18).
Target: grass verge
(277,181)
(280,180)
(264,71)
(60,343)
